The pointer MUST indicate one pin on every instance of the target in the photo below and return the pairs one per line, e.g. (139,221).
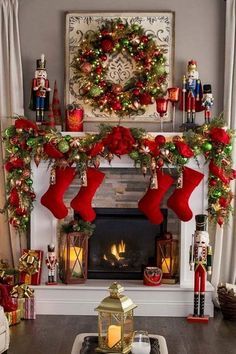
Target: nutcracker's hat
(207,88)
(41,63)
(51,248)
(201,222)
(192,64)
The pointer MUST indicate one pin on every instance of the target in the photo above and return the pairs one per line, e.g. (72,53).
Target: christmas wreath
(91,64)
(25,142)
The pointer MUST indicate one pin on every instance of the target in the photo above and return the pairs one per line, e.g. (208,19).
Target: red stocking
(150,203)
(53,198)
(82,201)
(178,201)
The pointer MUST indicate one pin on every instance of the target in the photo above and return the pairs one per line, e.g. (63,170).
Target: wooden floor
(55,334)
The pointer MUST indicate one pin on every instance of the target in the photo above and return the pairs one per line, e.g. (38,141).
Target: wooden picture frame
(80,24)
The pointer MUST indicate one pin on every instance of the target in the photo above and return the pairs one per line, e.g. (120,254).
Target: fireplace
(123,243)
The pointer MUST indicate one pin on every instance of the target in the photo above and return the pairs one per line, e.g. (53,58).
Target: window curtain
(224,264)
(11,103)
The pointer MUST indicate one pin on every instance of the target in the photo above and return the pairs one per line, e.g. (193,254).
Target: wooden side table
(80,338)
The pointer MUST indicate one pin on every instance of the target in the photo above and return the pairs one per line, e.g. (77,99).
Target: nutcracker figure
(51,263)
(200,262)
(191,94)
(207,102)
(40,90)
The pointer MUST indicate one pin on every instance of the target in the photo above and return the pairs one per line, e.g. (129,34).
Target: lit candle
(76,256)
(165,265)
(113,335)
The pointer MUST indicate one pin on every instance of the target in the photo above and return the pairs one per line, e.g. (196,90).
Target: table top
(80,338)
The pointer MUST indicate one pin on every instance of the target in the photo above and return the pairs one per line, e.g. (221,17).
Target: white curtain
(224,265)
(11,103)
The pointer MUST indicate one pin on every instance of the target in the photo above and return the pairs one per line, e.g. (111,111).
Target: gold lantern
(73,253)
(168,260)
(115,322)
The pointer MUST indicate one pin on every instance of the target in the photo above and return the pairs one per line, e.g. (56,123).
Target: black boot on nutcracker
(202,304)
(195,308)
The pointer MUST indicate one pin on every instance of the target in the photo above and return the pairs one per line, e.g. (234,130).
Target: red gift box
(30,267)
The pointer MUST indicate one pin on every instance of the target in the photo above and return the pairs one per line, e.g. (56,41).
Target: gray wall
(199,35)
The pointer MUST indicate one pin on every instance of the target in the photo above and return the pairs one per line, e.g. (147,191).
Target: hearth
(123,243)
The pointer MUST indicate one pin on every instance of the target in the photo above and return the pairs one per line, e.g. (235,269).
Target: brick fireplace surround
(164,300)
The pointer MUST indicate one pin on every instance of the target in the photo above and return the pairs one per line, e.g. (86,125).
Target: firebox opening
(124,242)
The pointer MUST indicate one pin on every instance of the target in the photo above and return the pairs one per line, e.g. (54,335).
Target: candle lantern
(115,322)
(74,118)
(168,260)
(73,253)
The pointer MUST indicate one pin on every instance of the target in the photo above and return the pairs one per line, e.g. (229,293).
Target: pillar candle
(113,335)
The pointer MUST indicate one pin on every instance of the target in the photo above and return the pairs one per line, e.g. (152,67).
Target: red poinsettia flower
(224,202)
(120,141)
(14,199)
(96,149)
(184,149)
(219,135)
(152,146)
(25,124)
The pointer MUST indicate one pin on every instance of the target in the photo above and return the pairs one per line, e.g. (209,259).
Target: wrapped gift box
(26,307)
(30,267)
(23,296)
(13,317)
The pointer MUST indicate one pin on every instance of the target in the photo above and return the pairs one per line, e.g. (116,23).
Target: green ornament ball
(63,146)
(14,149)
(228,149)
(136,27)
(134,155)
(171,146)
(197,150)
(29,181)
(30,142)
(125,103)
(67,137)
(207,146)
(158,69)
(10,131)
(95,91)
(216,194)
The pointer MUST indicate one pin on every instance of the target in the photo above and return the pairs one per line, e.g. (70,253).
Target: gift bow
(22,291)
(29,262)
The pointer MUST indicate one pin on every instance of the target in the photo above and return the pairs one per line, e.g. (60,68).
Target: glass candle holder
(141,343)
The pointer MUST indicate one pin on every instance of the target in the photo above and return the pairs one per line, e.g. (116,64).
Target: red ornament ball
(160,140)
(107,45)
(145,99)
(213,182)
(116,106)
(86,68)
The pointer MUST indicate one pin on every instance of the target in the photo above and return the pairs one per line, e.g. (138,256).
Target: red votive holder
(173,94)
(74,119)
(152,276)
(161,106)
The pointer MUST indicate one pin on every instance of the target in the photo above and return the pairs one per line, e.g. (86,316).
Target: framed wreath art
(117,65)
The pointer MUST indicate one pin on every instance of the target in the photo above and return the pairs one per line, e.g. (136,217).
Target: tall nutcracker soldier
(40,90)
(191,95)
(51,263)
(200,262)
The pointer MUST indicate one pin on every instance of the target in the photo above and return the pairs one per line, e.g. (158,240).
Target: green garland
(78,226)
(91,64)
(24,142)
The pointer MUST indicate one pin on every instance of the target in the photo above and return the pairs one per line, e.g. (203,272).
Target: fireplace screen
(123,244)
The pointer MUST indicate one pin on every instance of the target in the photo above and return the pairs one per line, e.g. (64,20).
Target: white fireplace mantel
(165,300)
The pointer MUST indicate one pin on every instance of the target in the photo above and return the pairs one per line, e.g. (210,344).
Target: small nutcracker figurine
(200,262)
(207,102)
(191,94)
(51,263)
(40,90)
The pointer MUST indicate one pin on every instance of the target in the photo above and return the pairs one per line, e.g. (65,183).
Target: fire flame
(117,250)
